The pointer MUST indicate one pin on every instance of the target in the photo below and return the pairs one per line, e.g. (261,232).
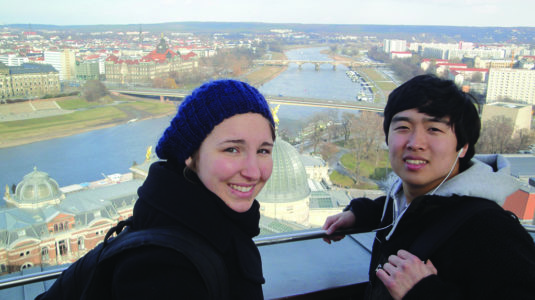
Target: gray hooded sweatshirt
(488,177)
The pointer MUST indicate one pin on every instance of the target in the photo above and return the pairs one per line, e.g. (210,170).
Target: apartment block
(394,45)
(511,84)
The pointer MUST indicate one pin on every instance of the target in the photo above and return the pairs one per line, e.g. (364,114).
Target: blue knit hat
(206,107)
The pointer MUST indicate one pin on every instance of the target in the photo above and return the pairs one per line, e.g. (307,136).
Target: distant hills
(438,33)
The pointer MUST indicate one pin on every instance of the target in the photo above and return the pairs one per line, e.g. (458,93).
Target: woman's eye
(231,150)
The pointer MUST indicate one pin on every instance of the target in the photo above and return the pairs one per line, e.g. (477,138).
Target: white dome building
(36,190)
(286,195)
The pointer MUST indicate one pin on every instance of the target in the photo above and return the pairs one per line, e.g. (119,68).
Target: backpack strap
(442,229)
(205,258)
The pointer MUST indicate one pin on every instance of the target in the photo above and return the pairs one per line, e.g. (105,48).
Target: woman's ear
(188,161)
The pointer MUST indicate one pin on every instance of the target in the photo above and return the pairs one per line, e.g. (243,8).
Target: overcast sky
(506,13)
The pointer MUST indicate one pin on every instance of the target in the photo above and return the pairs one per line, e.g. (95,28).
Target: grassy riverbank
(263,74)
(85,116)
(21,125)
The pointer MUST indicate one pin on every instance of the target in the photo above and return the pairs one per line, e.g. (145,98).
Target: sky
(500,13)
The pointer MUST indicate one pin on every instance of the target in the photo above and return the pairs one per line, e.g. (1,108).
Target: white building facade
(515,84)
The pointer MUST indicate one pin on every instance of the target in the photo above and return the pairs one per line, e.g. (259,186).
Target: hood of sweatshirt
(488,177)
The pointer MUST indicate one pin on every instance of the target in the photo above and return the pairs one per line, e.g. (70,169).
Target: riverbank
(26,131)
(39,127)
(260,75)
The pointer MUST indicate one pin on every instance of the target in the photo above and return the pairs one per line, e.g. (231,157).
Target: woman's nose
(251,168)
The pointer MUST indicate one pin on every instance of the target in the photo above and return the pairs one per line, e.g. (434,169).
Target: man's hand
(342,220)
(402,272)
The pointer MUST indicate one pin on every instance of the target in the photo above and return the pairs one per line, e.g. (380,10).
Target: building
(28,81)
(443,67)
(460,75)
(492,63)
(400,54)
(390,46)
(87,70)
(522,204)
(45,225)
(511,84)
(13,60)
(298,194)
(161,62)
(519,114)
(62,60)
(427,63)
(286,195)
(477,52)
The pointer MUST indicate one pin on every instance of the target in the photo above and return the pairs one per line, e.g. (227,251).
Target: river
(87,156)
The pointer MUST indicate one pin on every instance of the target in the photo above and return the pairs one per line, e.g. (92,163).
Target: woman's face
(234,160)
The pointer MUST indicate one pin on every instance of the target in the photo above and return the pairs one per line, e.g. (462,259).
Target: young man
(441,232)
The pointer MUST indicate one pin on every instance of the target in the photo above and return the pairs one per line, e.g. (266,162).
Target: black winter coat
(167,198)
(490,256)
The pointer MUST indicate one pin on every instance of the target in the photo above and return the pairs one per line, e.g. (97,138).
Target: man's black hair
(438,98)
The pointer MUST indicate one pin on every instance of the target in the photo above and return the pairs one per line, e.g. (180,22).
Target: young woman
(217,153)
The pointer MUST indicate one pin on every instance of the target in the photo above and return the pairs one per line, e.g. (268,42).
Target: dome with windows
(288,182)
(35,190)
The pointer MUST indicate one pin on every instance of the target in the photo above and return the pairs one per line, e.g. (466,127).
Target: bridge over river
(317,63)
(179,95)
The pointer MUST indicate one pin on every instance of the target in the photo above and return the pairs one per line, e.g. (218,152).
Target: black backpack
(92,268)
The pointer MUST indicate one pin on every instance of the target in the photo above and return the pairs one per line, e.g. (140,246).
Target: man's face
(422,151)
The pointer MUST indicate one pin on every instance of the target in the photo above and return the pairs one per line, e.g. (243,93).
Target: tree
(496,136)
(317,128)
(169,83)
(477,77)
(369,133)
(93,90)
(523,139)
(327,150)
(347,120)
(158,82)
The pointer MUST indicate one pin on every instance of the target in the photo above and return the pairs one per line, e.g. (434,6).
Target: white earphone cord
(451,170)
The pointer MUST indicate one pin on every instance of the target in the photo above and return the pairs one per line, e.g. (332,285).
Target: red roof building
(522,204)
(159,63)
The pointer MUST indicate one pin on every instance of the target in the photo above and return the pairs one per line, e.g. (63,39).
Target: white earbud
(460,152)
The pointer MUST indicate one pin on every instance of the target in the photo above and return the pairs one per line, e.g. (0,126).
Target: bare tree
(317,127)
(477,77)
(347,120)
(327,150)
(496,136)
(368,130)
(523,139)
(94,90)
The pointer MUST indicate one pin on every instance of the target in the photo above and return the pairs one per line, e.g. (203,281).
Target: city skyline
(480,13)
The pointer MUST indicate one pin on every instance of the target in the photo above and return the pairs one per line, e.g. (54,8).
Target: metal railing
(259,241)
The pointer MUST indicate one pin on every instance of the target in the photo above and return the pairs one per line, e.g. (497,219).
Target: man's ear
(463,151)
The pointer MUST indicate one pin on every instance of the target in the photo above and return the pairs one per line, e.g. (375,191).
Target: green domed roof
(288,180)
(37,187)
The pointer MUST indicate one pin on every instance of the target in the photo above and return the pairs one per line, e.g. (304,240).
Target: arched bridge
(348,63)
